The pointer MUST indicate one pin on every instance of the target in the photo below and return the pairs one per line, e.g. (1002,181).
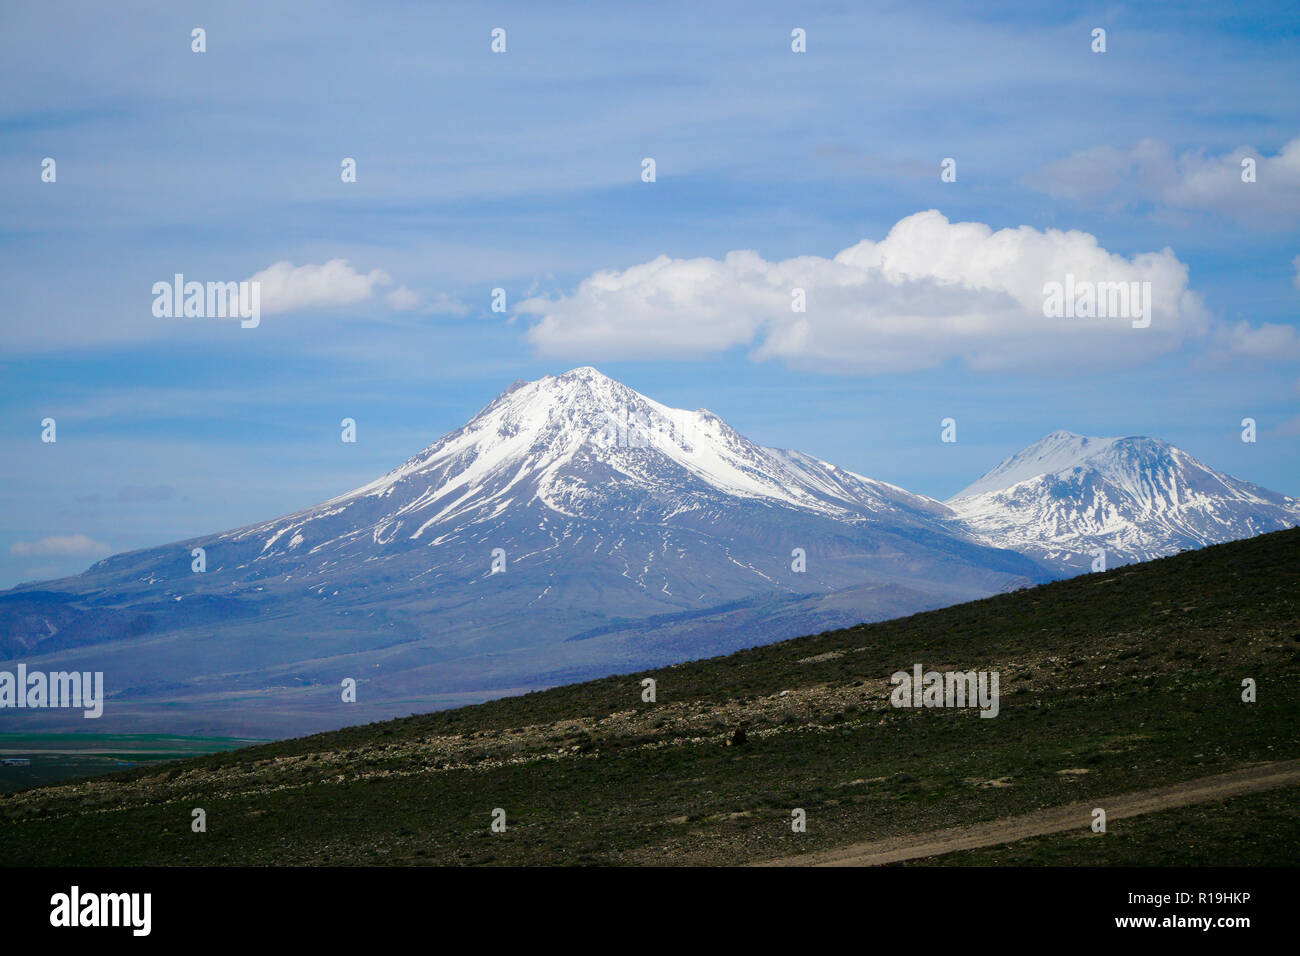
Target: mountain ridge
(1067,497)
(570,505)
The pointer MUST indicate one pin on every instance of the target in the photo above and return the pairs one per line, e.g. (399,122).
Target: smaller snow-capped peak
(1054,453)
(1145,468)
(1067,495)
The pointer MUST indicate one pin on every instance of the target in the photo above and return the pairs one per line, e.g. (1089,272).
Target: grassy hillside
(1110,682)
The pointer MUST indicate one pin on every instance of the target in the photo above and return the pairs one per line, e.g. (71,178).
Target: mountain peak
(567,443)
(582,385)
(584,376)
(584,373)
(1067,495)
(585,392)
(577,527)
(1052,453)
(1062,451)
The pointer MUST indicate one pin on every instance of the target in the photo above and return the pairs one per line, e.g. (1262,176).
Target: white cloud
(930,292)
(1267,341)
(408,300)
(443,304)
(286,287)
(403,299)
(1151,171)
(65,546)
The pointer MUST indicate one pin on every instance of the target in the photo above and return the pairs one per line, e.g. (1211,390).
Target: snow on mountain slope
(570,505)
(536,430)
(589,490)
(580,446)
(574,528)
(1058,451)
(1067,496)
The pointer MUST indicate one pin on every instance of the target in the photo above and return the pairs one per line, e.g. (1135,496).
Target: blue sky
(522,171)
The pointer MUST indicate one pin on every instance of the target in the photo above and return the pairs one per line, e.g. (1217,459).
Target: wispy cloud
(1265,191)
(403,299)
(132,494)
(61,546)
(1268,341)
(408,300)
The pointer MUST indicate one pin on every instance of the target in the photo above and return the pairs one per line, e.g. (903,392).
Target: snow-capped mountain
(579,446)
(572,527)
(575,528)
(580,470)
(1067,496)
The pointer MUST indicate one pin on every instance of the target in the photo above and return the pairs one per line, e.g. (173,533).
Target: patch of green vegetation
(57,757)
(1133,676)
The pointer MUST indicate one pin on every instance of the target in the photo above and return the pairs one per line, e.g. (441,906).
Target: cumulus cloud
(286,287)
(932,291)
(65,546)
(1152,172)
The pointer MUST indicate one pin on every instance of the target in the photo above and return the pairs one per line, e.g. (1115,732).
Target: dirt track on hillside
(1075,816)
